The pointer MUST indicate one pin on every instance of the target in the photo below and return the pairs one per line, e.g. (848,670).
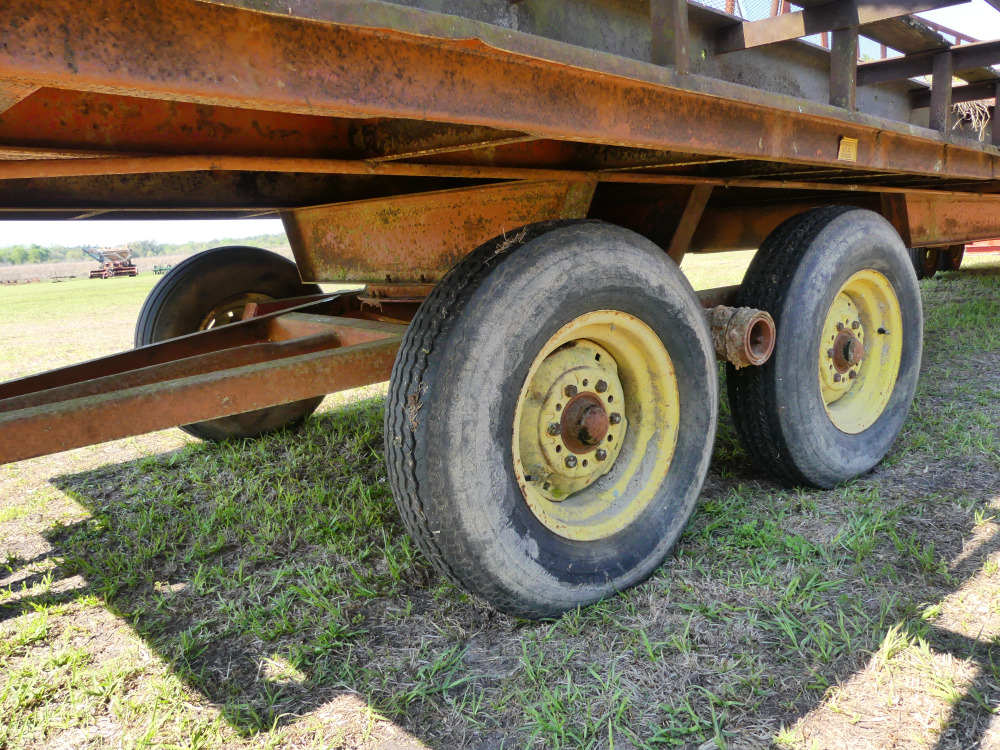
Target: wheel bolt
(600,454)
(615,417)
(570,391)
(601,386)
(840,326)
(829,353)
(554,428)
(570,462)
(836,377)
(856,325)
(852,374)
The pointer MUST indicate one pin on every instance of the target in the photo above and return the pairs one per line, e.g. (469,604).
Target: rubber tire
(190,290)
(951,258)
(777,408)
(926,261)
(453,393)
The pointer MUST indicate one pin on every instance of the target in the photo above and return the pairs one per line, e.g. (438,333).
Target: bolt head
(852,374)
(829,353)
(601,386)
(570,462)
(856,324)
(570,391)
(615,418)
(840,326)
(554,428)
(600,454)
(836,377)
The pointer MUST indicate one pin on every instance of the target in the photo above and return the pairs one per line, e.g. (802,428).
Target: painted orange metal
(253,364)
(185,50)
(944,220)
(89,420)
(417,238)
(96,122)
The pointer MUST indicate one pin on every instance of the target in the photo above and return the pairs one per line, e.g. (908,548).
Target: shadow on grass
(274,576)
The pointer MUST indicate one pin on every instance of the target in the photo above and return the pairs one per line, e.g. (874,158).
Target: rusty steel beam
(14,92)
(965,57)
(253,364)
(688,223)
(200,364)
(844,68)
(830,16)
(246,333)
(387,140)
(417,238)
(82,121)
(213,54)
(941,92)
(947,220)
(41,430)
(969,93)
(953,161)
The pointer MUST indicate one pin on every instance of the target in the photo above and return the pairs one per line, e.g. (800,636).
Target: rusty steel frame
(292,353)
(374,240)
(227,56)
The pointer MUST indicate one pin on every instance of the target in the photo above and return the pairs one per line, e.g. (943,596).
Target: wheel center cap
(847,351)
(584,423)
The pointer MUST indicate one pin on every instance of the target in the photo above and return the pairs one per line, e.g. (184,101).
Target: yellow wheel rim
(596,425)
(860,351)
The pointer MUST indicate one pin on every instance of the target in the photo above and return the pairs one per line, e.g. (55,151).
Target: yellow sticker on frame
(848,149)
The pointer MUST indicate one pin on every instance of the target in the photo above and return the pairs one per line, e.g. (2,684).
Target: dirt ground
(162,592)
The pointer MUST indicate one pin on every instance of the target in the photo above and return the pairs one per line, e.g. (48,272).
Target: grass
(162,592)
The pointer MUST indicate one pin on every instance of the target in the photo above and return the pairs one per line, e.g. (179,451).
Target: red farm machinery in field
(116,261)
(512,186)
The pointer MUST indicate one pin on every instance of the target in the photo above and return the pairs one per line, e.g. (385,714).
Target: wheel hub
(844,344)
(584,423)
(847,351)
(573,426)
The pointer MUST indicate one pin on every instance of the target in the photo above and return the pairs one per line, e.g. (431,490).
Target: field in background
(31,272)
(159,591)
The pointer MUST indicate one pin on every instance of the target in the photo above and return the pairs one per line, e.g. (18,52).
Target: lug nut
(601,386)
(852,374)
(570,391)
(554,428)
(840,326)
(829,353)
(615,417)
(600,454)
(570,462)
(836,377)
(856,325)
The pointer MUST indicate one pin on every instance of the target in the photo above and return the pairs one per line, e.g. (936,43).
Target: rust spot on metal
(584,423)
(277,358)
(847,351)
(414,238)
(742,336)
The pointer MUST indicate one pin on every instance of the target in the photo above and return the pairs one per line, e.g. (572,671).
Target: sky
(113,233)
(974,18)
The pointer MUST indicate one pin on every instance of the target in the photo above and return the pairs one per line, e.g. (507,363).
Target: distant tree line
(20,254)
